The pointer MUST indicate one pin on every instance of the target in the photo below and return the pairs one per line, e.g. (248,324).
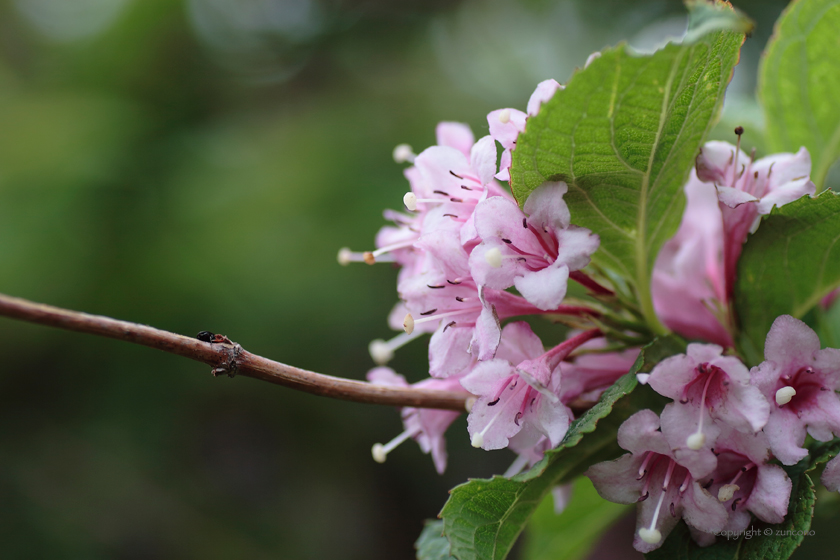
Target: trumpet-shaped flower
(800,381)
(652,476)
(533,250)
(425,425)
(708,385)
(745,482)
(518,391)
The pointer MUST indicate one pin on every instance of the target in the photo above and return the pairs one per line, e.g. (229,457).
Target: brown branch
(227,357)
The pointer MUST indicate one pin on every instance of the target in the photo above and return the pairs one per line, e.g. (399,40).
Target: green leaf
(787,266)
(483,517)
(798,78)
(623,135)
(571,534)
(432,545)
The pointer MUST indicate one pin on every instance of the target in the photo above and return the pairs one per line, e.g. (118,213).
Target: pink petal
(552,420)
(448,350)
(506,133)
(483,159)
(641,433)
(680,421)
(790,341)
(519,343)
(544,288)
(786,434)
(485,377)
(487,275)
(454,135)
(771,494)
(831,475)
(562,494)
(545,205)
(671,375)
(702,510)
(787,193)
(386,376)
(616,480)
(734,197)
(576,245)
(715,160)
(545,91)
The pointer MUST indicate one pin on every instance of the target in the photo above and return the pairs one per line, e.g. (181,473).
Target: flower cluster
(463,246)
(471,259)
(707,458)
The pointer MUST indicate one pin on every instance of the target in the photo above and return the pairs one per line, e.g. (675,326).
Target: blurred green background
(195,165)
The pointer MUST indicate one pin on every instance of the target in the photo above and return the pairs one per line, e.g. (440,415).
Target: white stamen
(477,439)
(375,255)
(784,395)
(408,324)
(651,535)
(695,441)
(494,257)
(410,201)
(504,116)
(403,153)
(382,351)
(727,491)
(345,256)
(380,452)
(469,404)
(409,321)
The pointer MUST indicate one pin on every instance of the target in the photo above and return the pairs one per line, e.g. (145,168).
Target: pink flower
(706,383)
(831,475)
(688,288)
(748,189)
(424,425)
(586,376)
(800,381)
(533,250)
(746,483)
(506,124)
(518,392)
(727,193)
(652,476)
